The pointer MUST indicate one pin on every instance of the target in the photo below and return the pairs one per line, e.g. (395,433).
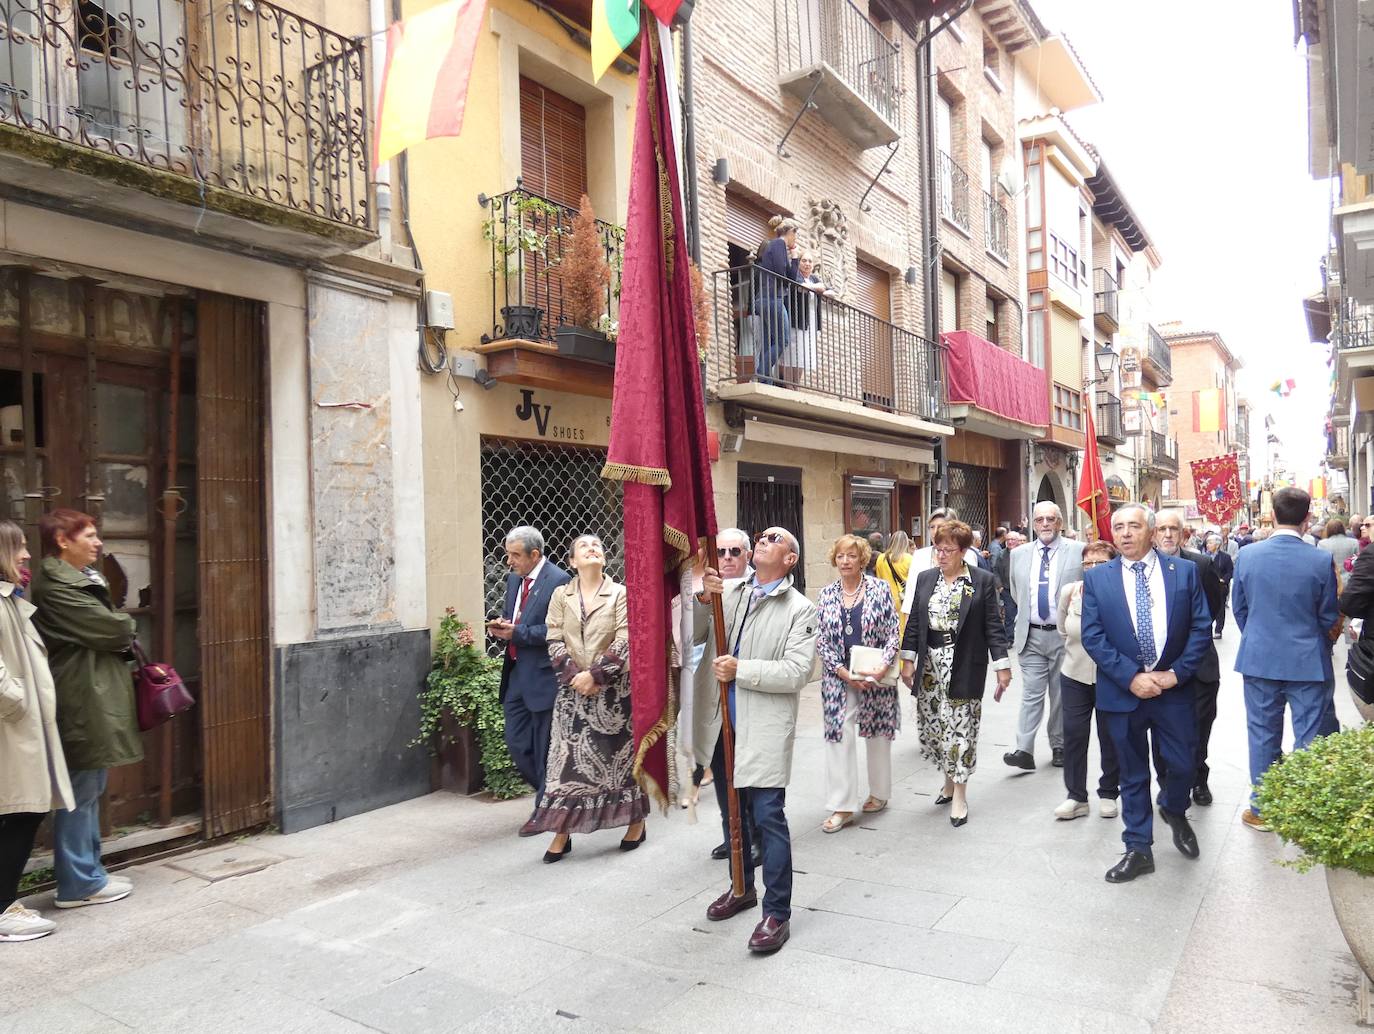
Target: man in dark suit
(1226,570)
(528,684)
(1146,626)
(1284,599)
(1207,681)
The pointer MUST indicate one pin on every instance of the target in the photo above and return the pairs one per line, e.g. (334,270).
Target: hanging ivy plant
(465,683)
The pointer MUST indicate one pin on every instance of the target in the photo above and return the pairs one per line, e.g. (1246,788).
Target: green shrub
(1322,799)
(466,683)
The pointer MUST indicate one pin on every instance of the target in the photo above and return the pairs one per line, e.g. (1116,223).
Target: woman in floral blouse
(856,610)
(955,626)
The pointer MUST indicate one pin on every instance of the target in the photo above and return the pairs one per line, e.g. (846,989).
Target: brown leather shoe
(769,935)
(1254,821)
(728,905)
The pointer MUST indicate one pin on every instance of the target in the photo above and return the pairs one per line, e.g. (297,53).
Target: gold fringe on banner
(640,475)
(667,721)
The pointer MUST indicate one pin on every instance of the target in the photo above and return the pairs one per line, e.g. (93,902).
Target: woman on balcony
(855,616)
(806,322)
(776,272)
(590,782)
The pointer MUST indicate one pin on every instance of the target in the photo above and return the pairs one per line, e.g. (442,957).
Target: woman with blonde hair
(33,771)
(894,565)
(776,274)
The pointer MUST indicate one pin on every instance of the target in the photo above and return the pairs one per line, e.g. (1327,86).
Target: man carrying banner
(771,636)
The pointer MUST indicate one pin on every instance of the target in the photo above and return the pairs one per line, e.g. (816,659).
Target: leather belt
(936,638)
(1045,628)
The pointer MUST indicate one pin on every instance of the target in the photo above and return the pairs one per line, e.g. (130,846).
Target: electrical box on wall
(439,310)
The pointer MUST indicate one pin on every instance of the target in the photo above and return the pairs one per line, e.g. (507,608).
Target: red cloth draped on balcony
(991,378)
(658,423)
(1092,490)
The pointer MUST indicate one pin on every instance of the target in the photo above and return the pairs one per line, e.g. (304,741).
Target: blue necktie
(1144,626)
(1042,598)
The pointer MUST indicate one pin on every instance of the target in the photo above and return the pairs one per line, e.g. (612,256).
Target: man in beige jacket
(771,643)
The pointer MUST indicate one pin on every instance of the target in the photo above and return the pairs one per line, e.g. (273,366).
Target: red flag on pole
(658,423)
(1092,489)
(664,10)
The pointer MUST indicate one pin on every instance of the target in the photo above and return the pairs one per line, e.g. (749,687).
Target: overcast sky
(1204,126)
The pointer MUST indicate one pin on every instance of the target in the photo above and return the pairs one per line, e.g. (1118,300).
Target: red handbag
(159,691)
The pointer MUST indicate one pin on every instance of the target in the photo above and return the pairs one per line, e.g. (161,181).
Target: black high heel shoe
(630,845)
(961,820)
(940,798)
(557,856)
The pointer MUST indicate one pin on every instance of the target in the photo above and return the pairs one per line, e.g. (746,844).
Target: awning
(1317,309)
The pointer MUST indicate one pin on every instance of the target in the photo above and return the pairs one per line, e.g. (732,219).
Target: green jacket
(86,639)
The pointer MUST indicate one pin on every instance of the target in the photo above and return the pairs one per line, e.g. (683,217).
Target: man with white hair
(1038,570)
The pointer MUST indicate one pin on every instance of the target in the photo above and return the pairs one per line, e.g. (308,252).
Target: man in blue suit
(1147,627)
(528,684)
(1284,654)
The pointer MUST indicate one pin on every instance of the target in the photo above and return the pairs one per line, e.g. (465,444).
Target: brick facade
(1200,361)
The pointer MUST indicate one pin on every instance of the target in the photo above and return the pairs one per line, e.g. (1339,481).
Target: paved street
(433,916)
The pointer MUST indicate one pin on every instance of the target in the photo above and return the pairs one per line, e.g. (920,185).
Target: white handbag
(866,658)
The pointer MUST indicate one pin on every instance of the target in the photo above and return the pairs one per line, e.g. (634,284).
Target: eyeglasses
(948,551)
(725,551)
(770,536)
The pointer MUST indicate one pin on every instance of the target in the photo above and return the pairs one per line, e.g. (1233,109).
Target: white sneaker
(112,891)
(1071,809)
(22,924)
(120,881)
(1106,807)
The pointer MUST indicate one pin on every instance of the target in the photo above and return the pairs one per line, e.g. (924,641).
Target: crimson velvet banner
(658,423)
(991,378)
(1216,482)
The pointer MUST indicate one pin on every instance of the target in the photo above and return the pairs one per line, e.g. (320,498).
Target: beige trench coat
(33,772)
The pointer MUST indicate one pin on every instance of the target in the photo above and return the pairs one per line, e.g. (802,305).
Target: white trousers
(842,763)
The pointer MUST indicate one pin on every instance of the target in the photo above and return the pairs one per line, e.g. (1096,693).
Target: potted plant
(461,721)
(1321,798)
(522,230)
(586,277)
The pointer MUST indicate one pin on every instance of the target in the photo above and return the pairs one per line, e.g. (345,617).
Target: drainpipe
(377,18)
(689,149)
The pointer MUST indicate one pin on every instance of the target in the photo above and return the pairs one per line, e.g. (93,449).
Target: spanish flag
(1209,414)
(1317,488)
(425,81)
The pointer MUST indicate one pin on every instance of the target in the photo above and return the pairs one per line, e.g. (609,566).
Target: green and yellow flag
(615,24)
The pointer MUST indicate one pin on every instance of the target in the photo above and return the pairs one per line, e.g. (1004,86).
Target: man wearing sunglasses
(771,650)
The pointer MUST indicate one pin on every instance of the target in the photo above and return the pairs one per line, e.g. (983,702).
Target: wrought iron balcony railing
(236,94)
(953,191)
(1108,418)
(1355,332)
(996,228)
(1157,353)
(1163,453)
(529,234)
(837,33)
(771,330)
(1106,302)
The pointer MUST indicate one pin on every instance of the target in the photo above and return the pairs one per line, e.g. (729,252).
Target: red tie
(524,596)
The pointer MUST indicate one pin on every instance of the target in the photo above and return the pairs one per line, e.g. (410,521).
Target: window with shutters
(873,294)
(553,144)
(746,223)
(949,301)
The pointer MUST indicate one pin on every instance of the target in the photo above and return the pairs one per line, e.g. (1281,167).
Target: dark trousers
(775,329)
(1079,700)
(1009,616)
(722,801)
(527,737)
(16,843)
(1221,614)
(1169,719)
(1206,713)
(775,848)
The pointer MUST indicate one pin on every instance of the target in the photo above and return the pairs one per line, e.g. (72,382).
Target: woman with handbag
(33,774)
(954,628)
(894,567)
(87,640)
(857,643)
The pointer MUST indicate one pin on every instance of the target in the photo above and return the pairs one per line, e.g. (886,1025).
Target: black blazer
(981,636)
(1357,598)
(1209,668)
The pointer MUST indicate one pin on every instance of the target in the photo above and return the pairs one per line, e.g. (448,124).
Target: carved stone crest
(826,237)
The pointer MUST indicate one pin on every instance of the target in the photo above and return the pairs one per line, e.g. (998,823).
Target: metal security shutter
(872,290)
(968,494)
(771,497)
(558,489)
(553,144)
(746,224)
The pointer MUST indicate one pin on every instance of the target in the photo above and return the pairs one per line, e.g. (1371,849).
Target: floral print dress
(948,728)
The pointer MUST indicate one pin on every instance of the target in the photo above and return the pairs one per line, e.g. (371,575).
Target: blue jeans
(1311,707)
(775,847)
(775,333)
(76,838)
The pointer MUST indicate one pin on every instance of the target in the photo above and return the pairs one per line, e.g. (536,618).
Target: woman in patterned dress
(856,610)
(590,783)
(955,626)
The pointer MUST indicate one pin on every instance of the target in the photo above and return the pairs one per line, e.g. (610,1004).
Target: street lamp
(1106,365)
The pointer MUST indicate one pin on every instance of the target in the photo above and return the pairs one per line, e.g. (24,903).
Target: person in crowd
(998,545)
(771,633)
(88,641)
(33,769)
(1002,571)
(589,778)
(733,553)
(1038,570)
(1314,534)
(1364,530)
(1078,690)
(1207,677)
(1225,566)
(1146,626)
(1259,535)
(893,566)
(1284,599)
(955,630)
(777,263)
(529,686)
(806,320)
(923,559)
(1240,539)
(1355,528)
(1339,545)
(984,557)
(857,700)
(875,550)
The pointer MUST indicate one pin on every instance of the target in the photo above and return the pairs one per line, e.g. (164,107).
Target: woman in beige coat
(590,783)
(33,772)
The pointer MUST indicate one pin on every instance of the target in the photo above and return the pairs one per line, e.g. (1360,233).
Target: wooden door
(234,707)
(873,294)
